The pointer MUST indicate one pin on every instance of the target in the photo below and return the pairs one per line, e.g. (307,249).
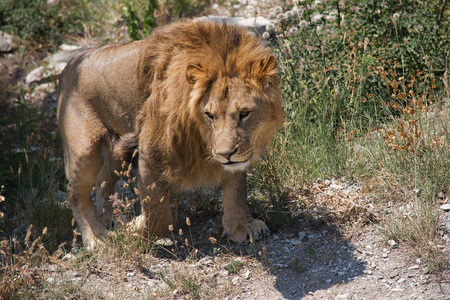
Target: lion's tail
(126,148)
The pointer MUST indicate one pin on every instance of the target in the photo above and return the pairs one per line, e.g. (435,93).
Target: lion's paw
(252,231)
(92,242)
(137,225)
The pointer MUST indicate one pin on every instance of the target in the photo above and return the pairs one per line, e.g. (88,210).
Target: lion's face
(241,113)
(232,116)
(235,118)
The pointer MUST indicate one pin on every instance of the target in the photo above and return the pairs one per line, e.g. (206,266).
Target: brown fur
(199,101)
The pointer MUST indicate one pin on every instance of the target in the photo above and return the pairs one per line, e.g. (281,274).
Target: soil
(311,259)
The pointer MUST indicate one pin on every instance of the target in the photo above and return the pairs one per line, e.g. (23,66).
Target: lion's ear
(194,73)
(269,67)
(263,72)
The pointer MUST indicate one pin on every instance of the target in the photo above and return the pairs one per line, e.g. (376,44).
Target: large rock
(256,24)
(55,63)
(6,42)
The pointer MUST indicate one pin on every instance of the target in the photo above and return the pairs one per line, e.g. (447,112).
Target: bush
(345,67)
(43,24)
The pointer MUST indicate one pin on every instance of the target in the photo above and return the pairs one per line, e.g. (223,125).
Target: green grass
(357,93)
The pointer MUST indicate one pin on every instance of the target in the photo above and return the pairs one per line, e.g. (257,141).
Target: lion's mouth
(231,163)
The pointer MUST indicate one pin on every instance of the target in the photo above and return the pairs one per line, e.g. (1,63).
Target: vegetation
(365,84)
(366,92)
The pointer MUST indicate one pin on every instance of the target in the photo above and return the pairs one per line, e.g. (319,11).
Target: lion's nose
(227,153)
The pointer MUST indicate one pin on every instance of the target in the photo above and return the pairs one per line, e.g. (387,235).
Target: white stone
(343,297)
(206,261)
(445,207)
(68,256)
(65,47)
(392,243)
(50,280)
(235,280)
(6,43)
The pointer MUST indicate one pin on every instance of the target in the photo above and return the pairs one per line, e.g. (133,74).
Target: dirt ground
(311,259)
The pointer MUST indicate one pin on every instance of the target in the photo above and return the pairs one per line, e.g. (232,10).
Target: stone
(301,235)
(247,274)
(235,280)
(343,297)
(205,261)
(445,207)
(6,42)
(50,280)
(257,25)
(392,243)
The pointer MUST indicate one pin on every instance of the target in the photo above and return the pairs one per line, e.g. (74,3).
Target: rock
(295,242)
(401,280)
(336,186)
(68,256)
(445,207)
(63,56)
(55,64)
(414,267)
(36,75)
(50,280)
(235,280)
(392,243)
(65,47)
(343,297)
(247,274)
(256,24)
(301,235)
(6,43)
(205,261)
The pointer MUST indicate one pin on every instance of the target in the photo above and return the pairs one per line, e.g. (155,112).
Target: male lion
(198,101)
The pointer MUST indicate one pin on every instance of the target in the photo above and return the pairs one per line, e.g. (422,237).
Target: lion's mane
(180,139)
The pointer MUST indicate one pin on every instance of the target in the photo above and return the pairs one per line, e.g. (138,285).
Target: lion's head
(235,98)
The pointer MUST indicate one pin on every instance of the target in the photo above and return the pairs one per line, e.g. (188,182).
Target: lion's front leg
(237,219)
(156,213)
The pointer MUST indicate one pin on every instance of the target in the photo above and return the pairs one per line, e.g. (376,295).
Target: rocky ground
(312,259)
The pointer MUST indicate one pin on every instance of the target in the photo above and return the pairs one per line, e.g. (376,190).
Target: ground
(315,258)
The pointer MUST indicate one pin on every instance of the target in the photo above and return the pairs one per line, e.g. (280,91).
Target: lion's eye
(209,115)
(244,114)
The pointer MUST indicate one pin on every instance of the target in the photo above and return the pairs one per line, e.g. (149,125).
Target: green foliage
(184,8)
(341,64)
(31,175)
(139,18)
(234,266)
(359,79)
(42,24)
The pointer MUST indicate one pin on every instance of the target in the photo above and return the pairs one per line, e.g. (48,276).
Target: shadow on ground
(316,258)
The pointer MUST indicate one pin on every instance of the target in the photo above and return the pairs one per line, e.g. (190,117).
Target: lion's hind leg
(82,161)
(105,185)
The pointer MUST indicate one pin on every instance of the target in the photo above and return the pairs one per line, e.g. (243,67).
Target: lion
(194,104)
